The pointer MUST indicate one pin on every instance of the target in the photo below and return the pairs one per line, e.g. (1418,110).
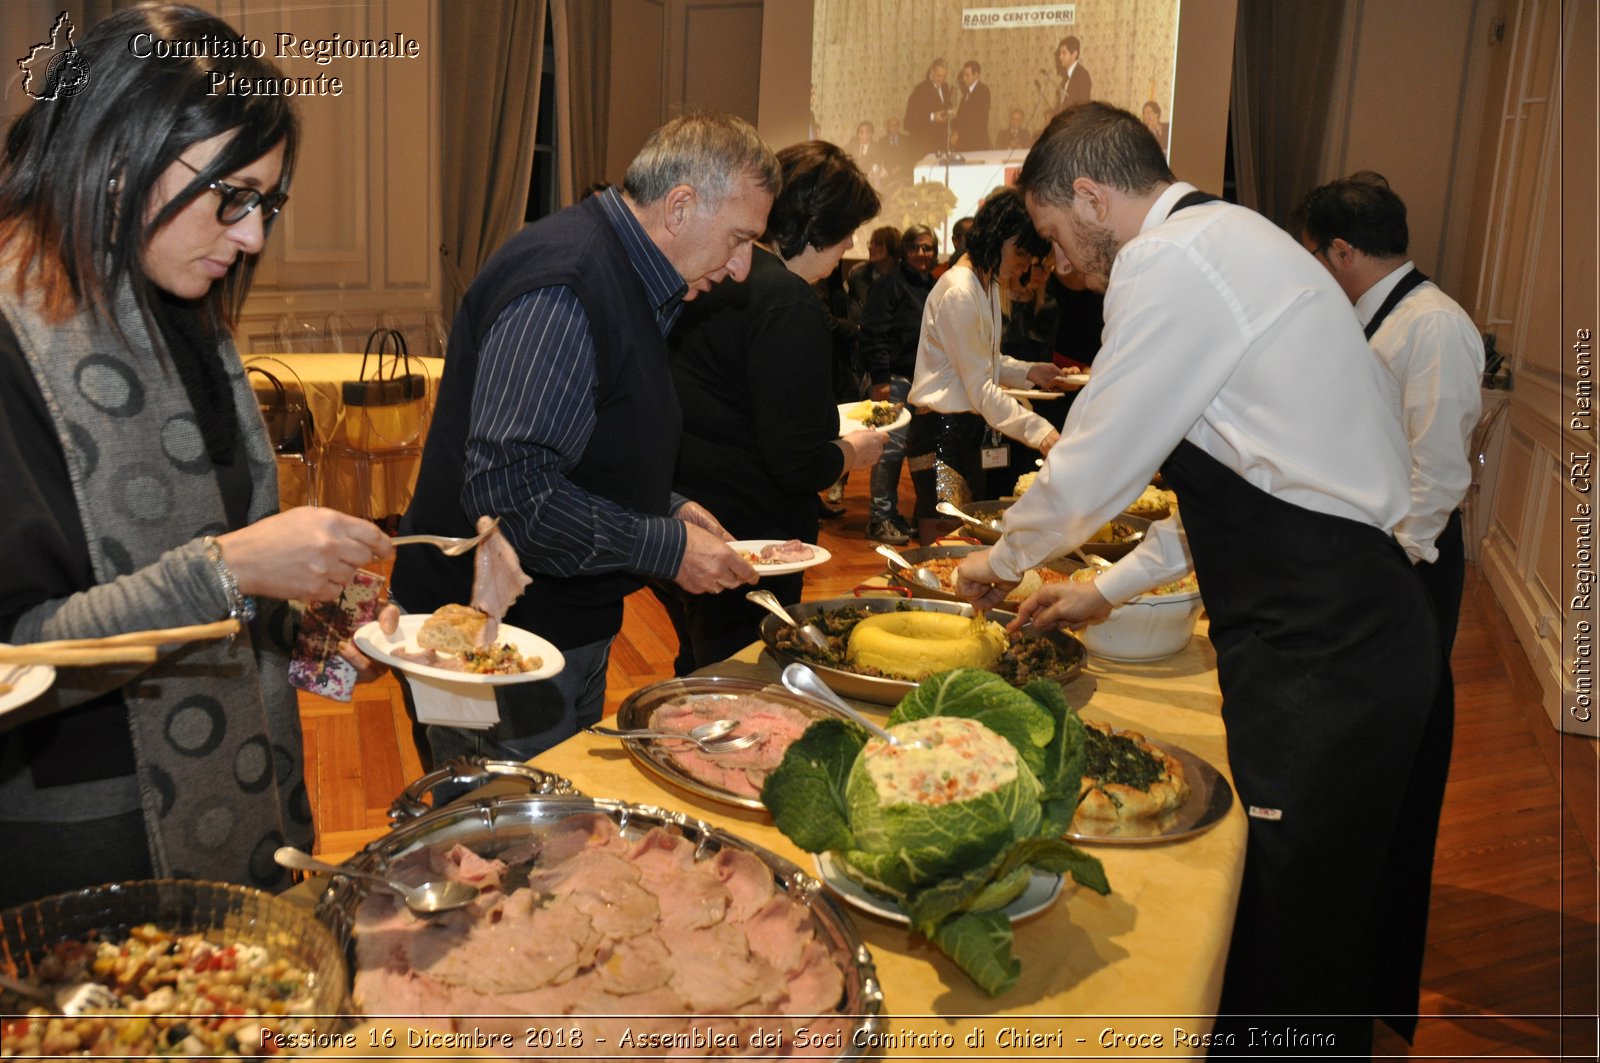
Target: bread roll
(454,629)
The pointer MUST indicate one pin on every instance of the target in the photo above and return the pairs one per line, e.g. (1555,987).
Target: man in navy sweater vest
(556,412)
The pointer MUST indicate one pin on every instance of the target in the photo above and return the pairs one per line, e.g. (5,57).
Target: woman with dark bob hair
(140,487)
(956,391)
(751,363)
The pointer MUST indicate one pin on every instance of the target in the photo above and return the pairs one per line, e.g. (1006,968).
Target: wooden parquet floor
(1511,967)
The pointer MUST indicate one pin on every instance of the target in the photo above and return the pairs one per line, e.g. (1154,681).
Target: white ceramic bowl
(1145,628)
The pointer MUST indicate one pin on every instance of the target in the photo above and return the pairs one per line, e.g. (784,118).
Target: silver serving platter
(1209,799)
(995,508)
(901,578)
(653,758)
(878,689)
(490,825)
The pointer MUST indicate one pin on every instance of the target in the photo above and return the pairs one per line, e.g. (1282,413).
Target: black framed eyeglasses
(237,203)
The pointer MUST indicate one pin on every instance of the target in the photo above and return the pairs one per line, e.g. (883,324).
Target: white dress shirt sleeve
(1434,351)
(960,333)
(1162,361)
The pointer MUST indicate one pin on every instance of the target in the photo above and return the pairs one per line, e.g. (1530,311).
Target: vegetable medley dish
(1022,659)
(177,994)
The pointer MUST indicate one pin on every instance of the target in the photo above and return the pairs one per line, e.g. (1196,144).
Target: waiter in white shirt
(1231,362)
(1434,353)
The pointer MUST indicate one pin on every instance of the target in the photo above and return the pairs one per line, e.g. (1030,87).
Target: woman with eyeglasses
(958,391)
(139,486)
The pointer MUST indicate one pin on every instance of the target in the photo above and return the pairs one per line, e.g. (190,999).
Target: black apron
(1442,579)
(1327,658)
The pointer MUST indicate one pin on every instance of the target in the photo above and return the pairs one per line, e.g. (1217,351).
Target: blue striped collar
(662,282)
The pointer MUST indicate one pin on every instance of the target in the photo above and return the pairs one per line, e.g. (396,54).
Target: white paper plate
(1041,893)
(27,681)
(850,424)
(1033,395)
(754,546)
(371,640)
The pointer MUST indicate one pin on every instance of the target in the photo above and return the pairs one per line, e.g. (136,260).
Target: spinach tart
(1126,777)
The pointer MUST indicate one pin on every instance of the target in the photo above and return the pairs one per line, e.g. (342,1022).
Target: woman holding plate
(957,390)
(751,366)
(140,487)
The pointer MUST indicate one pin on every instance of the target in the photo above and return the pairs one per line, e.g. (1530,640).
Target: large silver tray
(993,509)
(1210,797)
(879,690)
(649,755)
(901,578)
(489,825)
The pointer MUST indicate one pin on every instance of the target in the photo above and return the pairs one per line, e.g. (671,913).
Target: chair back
(284,405)
(389,407)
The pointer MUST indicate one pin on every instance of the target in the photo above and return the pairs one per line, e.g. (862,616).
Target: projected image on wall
(940,101)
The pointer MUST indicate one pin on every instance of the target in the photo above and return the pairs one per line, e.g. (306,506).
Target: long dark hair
(77,173)
(825,198)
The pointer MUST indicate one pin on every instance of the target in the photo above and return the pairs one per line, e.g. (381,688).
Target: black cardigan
(751,365)
(892,324)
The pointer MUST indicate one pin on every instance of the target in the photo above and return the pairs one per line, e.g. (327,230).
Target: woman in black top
(751,366)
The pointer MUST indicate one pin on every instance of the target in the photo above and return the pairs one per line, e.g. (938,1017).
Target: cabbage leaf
(806,794)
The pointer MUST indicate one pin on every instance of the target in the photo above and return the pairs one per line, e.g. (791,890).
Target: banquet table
(1138,969)
(323,376)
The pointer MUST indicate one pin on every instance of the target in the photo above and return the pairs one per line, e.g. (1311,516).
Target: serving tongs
(132,647)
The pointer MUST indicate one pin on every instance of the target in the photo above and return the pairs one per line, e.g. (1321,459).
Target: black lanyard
(1412,280)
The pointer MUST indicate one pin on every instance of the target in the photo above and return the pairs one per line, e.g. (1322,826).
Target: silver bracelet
(241,607)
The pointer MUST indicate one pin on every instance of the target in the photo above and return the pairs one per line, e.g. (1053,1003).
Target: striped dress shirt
(532,416)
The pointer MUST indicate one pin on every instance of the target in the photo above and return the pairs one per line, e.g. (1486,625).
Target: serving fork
(453,546)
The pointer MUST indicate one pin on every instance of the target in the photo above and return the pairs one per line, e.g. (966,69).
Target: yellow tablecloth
(322,375)
(1098,973)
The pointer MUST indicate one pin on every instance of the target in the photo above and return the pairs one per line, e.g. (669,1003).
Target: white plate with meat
(1043,889)
(735,777)
(779,557)
(400,650)
(23,683)
(873,414)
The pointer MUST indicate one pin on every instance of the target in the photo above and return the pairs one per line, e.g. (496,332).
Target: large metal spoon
(709,737)
(919,573)
(425,899)
(811,633)
(803,681)
(949,509)
(1092,560)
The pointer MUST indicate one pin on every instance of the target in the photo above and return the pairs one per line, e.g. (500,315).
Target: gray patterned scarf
(215,727)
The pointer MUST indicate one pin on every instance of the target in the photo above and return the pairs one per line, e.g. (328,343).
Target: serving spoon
(949,509)
(803,681)
(425,899)
(919,573)
(810,632)
(709,737)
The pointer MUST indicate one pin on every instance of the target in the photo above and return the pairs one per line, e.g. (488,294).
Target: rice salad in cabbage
(951,830)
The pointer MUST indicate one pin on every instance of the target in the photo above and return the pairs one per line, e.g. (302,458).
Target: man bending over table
(556,412)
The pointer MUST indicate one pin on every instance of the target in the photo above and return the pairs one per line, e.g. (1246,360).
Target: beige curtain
(1285,59)
(492,59)
(582,30)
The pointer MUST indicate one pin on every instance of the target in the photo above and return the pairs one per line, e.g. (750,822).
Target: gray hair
(706,151)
